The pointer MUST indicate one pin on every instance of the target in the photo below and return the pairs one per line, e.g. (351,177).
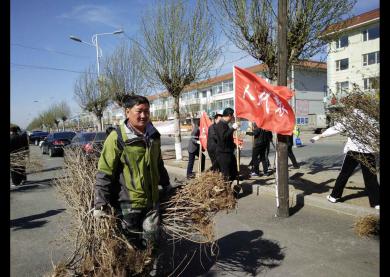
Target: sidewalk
(306,186)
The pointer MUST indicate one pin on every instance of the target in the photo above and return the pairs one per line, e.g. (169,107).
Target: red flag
(204,124)
(262,103)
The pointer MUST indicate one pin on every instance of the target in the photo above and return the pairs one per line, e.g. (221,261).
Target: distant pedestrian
(225,145)
(290,144)
(212,142)
(193,150)
(355,152)
(262,140)
(18,144)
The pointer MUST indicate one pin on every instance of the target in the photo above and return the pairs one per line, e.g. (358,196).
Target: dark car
(55,142)
(36,136)
(90,143)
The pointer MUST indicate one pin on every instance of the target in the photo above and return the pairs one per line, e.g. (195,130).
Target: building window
(341,64)
(302,120)
(204,93)
(227,86)
(216,89)
(371,58)
(342,42)
(371,83)
(342,86)
(228,103)
(371,33)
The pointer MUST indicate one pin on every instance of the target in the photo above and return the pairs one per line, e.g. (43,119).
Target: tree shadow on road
(35,184)
(309,187)
(318,164)
(46,169)
(237,253)
(30,222)
(247,251)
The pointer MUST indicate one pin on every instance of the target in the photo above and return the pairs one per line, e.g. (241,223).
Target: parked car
(90,143)
(36,136)
(55,142)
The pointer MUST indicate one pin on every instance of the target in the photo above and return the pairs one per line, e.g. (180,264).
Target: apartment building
(353,57)
(306,78)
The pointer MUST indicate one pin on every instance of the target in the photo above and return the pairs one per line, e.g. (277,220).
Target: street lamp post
(96,45)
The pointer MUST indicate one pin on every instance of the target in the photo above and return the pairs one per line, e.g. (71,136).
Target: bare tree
(180,48)
(36,123)
(252,26)
(89,95)
(63,112)
(124,73)
(47,118)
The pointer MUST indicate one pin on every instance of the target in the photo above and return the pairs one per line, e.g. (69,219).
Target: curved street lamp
(96,45)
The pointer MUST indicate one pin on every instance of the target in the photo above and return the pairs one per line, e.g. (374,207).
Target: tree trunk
(100,123)
(281,147)
(176,109)
(63,126)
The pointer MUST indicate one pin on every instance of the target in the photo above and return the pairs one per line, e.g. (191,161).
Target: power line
(47,68)
(48,50)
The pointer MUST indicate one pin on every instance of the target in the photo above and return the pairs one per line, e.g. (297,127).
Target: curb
(300,198)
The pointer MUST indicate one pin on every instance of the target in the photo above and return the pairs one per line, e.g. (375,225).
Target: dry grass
(21,159)
(367,226)
(189,213)
(100,248)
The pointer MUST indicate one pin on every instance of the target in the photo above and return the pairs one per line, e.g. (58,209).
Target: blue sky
(45,63)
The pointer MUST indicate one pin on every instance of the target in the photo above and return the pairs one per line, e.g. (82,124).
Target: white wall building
(354,54)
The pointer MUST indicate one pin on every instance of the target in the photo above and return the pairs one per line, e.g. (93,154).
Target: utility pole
(282,201)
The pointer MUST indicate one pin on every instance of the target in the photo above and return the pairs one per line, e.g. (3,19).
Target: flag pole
(238,148)
(200,149)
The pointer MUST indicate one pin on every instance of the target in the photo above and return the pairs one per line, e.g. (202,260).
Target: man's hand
(198,142)
(314,139)
(235,125)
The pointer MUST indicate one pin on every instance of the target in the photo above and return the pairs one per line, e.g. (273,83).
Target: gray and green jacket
(138,186)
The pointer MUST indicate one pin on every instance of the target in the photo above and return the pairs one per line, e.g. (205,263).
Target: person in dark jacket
(290,144)
(225,145)
(262,140)
(130,170)
(212,142)
(18,143)
(193,150)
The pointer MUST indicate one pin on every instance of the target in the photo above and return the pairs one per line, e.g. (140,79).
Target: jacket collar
(150,131)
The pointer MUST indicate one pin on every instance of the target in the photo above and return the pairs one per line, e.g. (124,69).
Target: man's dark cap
(217,115)
(228,111)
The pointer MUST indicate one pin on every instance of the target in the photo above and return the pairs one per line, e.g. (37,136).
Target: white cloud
(93,14)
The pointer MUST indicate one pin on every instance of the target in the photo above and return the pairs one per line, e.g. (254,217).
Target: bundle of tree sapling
(189,213)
